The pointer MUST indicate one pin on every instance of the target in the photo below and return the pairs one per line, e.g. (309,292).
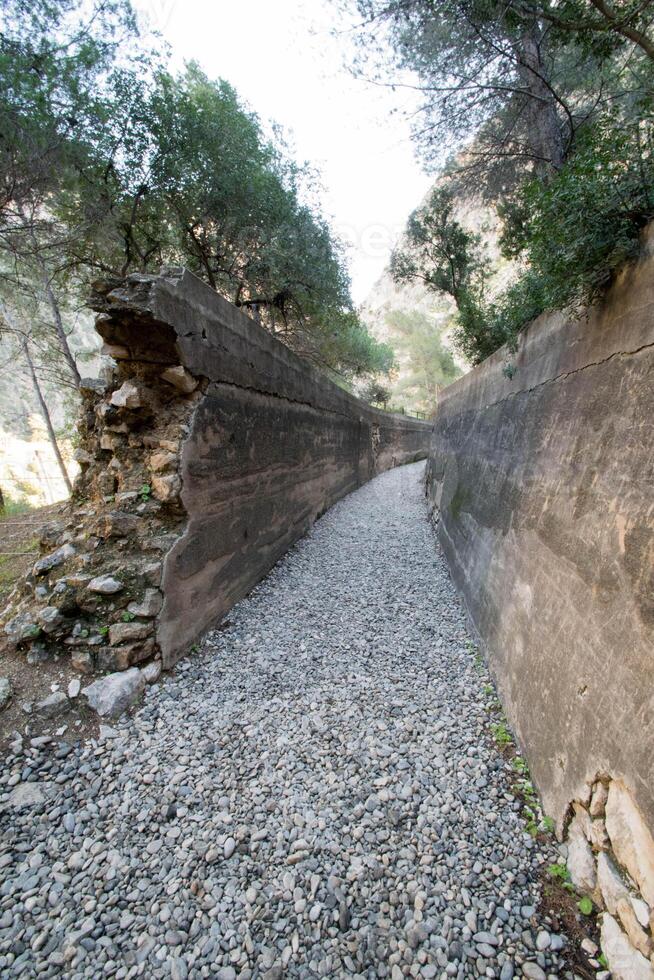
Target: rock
(128,632)
(625,962)
(637,935)
(6,691)
(533,971)
(162,461)
(112,695)
(599,838)
(229,847)
(26,794)
(116,351)
(611,885)
(129,395)
(74,688)
(122,657)
(22,628)
(152,672)
(105,585)
(631,841)
(166,488)
(581,863)
(149,606)
(52,706)
(82,660)
(54,559)
(641,911)
(50,619)
(598,800)
(180,378)
(117,524)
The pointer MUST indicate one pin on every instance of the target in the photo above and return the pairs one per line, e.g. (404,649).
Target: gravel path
(314,796)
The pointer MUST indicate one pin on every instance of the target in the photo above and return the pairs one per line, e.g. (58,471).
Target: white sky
(282,59)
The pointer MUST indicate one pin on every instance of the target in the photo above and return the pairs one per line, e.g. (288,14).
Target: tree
(429,365)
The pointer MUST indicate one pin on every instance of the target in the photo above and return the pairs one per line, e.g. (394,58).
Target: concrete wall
(271,443)
(544,488)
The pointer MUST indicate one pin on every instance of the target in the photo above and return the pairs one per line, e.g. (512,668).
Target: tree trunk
(46,416)
(543,124)
(58,323)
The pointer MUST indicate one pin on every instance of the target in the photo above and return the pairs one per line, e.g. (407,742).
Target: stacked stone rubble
(611,859)
(94,595)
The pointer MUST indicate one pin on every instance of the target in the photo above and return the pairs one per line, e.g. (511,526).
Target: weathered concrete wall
(209,451)
(544,486)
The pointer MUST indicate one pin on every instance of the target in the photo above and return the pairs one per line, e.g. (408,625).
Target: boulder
(625,962)
(115,693)
(166,488)
(50,619)
(631,841)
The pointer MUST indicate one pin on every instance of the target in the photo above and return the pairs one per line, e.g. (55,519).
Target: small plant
(501,733)
(127,617)
(509,370)
(547,824)
(602,960)
(585,905)
(104,631)
(560,873)
(488,689)
(520,766)
(195,648)
(145,492)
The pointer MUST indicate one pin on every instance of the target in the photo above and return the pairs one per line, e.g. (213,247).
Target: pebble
(314,795)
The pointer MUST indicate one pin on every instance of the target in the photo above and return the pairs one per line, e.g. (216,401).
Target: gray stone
(625,962)
(26,794)
(105,585)
(52,706)
(6,692)
(115,693)
(54,559)
(152,671)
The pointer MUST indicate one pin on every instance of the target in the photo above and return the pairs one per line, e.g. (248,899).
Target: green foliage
(559,871)
(376,393)
(127,617)
(429,365)
(501,734)
(585,906)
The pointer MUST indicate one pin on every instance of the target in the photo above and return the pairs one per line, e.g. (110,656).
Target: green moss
(458,501)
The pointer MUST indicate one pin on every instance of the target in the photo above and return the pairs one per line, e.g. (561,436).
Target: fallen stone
(50,619)
(74,687)
(105,585)
(122,657)
(82,660)
(117,524)
(625,962)
(5,692)
(21,628)
(26,794)
(52,706)
(581,863)
(128,632)
(611,885)
(598,800)
(180,378)
(632,842)
(152,671)
(54,559)
(149,606)
(112,695)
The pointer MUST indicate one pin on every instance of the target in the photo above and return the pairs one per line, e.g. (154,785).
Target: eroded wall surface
(543,486)
(209,450)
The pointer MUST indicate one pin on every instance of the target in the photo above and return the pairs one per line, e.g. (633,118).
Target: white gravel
(316,795)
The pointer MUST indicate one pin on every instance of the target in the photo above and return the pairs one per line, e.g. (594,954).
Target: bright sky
(282,59)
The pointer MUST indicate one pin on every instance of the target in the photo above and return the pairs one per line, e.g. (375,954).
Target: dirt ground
(19,549)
